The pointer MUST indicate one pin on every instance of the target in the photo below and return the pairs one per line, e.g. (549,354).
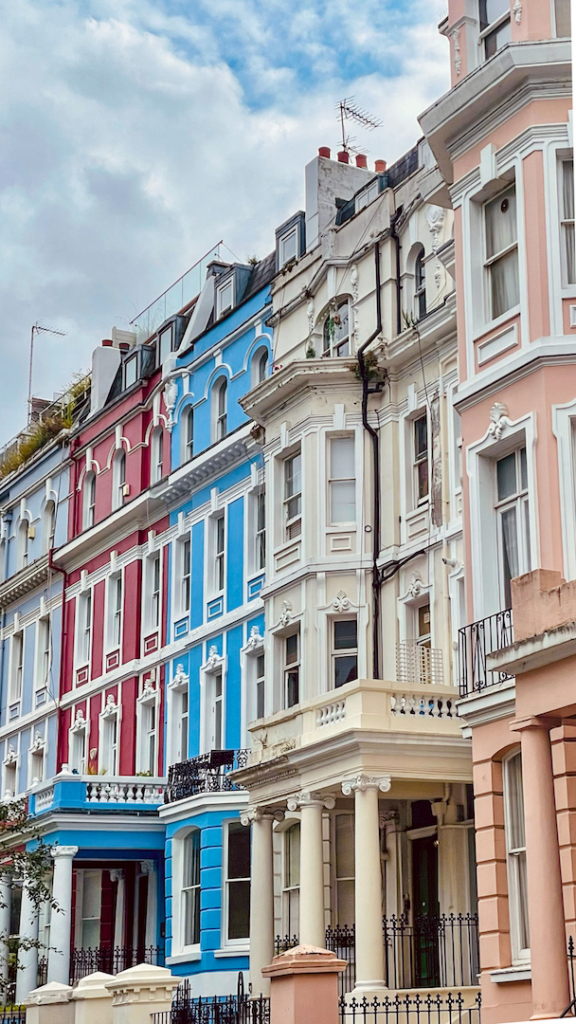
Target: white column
(117,875)
(26,979)
(148,867)
(261,895)
(61,920)
(5,904)
(312,924)
(368,881)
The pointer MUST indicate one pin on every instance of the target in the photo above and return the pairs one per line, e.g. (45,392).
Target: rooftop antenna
(37,328)
(350,111)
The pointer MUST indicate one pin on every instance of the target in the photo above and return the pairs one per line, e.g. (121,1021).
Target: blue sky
(136,133)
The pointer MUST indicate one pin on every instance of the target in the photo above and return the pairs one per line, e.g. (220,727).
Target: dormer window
(494,25)
(337,331)
(289,247)
(164,345)
(130,371)
(225,297)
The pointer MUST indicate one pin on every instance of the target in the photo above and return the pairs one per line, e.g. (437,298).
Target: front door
(425,906)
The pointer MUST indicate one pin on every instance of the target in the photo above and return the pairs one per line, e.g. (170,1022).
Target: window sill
(493,325)
(184,958)
(228,951)
(521,972)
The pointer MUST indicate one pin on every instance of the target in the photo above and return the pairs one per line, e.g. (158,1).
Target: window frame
(565,224)
(292,524)
(110,741)
(216,550)
(167,331)
(291,667)
(157,455)
(195,887)
(337,653)
(420,459)
(420,308)
(78,732)
(43,653)
(118,478)
(519,501)
(154,567)
(84,628)
(89,499)
(290,927)
(115,611)
(188,434)
(489,262)
(331,347)
(17,659)
(332,479)
(243,941)
(490,29)
(222,310)
(292,233)
(185,552)
(220,409)
(520,955)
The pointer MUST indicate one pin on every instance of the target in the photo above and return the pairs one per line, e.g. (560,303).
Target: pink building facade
(502,139)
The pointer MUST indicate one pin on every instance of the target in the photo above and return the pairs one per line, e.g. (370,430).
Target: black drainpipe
(395,236)
(376,470)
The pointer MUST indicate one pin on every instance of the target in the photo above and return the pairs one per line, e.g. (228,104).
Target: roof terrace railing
(175,297)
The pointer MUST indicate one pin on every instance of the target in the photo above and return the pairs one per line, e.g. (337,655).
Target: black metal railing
(429,1009)
(112,959)
(42,971)
(342,941)
(571,977)
(475,642)
(13,1015)
(431,951)
(284,942)
(207,773)
(234,1009)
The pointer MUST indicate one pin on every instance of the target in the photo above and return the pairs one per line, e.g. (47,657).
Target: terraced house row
(286,636)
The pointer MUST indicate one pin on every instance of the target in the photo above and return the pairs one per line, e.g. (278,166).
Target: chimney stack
(343,157)
(107,342)
(361,160)
(379,166)
(324,151)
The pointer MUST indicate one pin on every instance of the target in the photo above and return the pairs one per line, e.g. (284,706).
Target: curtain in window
(509,550)
(567,217)
(562,11)
(501,233)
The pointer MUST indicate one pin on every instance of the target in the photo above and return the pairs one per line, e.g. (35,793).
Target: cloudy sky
(137,133)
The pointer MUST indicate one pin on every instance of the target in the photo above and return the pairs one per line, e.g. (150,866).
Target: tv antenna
(37,328)
(348,110)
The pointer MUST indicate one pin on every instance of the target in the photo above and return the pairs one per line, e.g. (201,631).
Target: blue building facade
(214,684)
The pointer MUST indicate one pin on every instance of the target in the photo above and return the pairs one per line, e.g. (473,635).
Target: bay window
(237,897)
(513,512)
(342,482)
(501,253)
(494,25)
(567,222)
(293,496)
(516,856)
(420,459)
(292,669)
(336,334)
(191,889)
(344,651)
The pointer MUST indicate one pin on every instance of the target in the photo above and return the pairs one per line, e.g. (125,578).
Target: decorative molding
(111,707)
(310,315)
(255,639)
(170,394)
(498,420)
(38,743)
(180,680)
(261,814)
(148,867)
(79,724)
(457,52)
(214,660)
(116,874)
(11,757)
(64,851)
(415,585)
(517,11)
(354,282)
(341,602)
(309,799)
(285,613)
(362,783)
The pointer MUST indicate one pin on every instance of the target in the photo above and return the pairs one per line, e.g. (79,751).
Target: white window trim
(345,524)
(179,683)
(110,710)
(480,466)
(288,523)
(186,454)
(148,698)
(178,841)
(253,647)
(11,763)
(18,634)
(519,956)
(215,664)
(564,428)
(37,749)
(88,510)
(79,727)
(220,289)
(212,590)
(79,622)
(291,233)
(179,611)
(110,612)
(347,616)
(238,944)
(157,449)
(118,495)
(42,623)
(150,626)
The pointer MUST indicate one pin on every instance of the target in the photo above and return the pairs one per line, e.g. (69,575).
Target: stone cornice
(297,377)
(22,582)
(205,466)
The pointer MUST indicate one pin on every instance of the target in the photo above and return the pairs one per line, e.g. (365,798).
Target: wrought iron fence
(475,642)
(416,1009)
(342,941)
(284,942)
(207,773)
(13,1015)
(431,951)
(112,959)
(571,976)
(234,1009)
(42,971)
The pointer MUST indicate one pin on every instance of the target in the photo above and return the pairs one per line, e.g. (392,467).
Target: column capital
(306,798)
(116,874)
(147,867)
(542,722)
(64,851)
(261,814)
(361,783)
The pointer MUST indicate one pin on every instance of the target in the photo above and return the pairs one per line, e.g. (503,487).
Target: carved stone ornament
(38,743)
(415,585)
(11,756)
(260,814)
(147,867)
(354,282)
(213,659)
(285,613)
(310,315)
(255,639)
(364,782)
(517,11)
(116,875)
(341,602)
(148,691)
(79,723)
(309,799)
(498,420)
(456,51)
(111,707)
(170,394)
(180,678)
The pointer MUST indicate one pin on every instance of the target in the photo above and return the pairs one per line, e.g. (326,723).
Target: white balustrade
(416,663)
(422,705)
(44,799)
(331,713)
(128,790)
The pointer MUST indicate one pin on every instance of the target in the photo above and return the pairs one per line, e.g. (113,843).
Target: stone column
(261,894)
(550,991)
(312,924)
(61,920)
(148,867)
(27,977)
(117,875)
(368,881)
(5,904)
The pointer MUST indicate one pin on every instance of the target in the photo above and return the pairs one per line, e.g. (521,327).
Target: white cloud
(132,141)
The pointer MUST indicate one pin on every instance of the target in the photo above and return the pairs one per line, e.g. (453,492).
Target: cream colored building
(359,775)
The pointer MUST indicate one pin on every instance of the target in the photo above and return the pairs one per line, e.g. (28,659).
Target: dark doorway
(141,920)
(425,906)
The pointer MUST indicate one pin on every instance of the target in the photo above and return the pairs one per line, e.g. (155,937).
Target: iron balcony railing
(112,959)
(476,641)
(207,773)
(423,952)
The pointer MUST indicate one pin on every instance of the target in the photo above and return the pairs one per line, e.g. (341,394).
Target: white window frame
(183,574)
(491,261)
(333,480)
(289,667)
(180,903)
(109,752)
(84,628)
(23,543)
(78,734)
(566,223)
(337,879)
(292,523)
(220,409)
(221,298)
(519,955)
(216,552)
(420,309)
(43,653)
(17,659)
(336,653)
(288,925)
(416,460)
(89,499)
(118,478)
(289,237)
(187,420)
(147,708)
(157,455)
(214,667)
(37,760)
(10,767)
(48,524)
(114,614)
(256,531)
(564,427)
(260,361)
(178,734)
(501,20)
(519,502)
(153,592)
(166,333)
(249,655)
(332,349)
(240,943)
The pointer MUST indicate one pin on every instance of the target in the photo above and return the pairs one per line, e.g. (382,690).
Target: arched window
(336,338)
(118,478)
(23,543)
(420,286)
(220,409)
(190,910)
(157,455)
(188,434)
(259,366)
(48,525)
(89,500)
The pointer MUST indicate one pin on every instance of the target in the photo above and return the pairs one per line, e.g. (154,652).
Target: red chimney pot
(324,151)
(361,160)
(123,346)
(107,342)
(343,157)
(379,166)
